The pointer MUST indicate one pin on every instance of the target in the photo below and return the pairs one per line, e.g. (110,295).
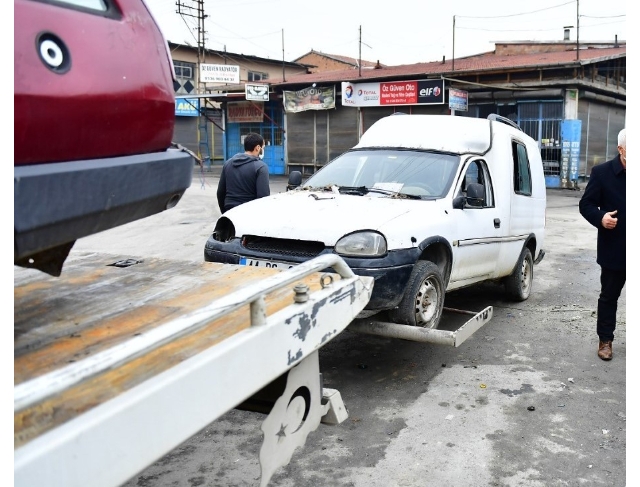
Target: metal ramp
(451,317)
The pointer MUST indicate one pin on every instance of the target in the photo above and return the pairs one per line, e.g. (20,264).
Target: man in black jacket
(603,204)
(245,176)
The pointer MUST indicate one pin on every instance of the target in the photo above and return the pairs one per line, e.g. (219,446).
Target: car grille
(283,246)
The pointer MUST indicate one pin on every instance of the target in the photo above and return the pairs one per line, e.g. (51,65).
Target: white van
(423,203)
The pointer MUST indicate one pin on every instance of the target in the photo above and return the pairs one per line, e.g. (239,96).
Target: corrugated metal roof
(480,63)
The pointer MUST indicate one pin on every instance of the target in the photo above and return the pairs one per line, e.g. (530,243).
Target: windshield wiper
(359,190)
(316,188)
(362,190)
(396,194)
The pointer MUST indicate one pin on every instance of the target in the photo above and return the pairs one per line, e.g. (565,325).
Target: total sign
(361,94)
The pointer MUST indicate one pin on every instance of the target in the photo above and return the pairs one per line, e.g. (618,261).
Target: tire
(423,298)
(518,284)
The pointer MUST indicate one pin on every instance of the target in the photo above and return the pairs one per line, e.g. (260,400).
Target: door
(271,129)
(479,229)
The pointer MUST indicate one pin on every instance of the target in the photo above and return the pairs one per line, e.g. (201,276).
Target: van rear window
(97,5)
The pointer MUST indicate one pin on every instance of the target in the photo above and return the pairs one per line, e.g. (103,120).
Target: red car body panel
(119,80)
(94,113)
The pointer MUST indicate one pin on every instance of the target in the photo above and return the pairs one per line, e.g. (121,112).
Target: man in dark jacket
(245,176)
(603,204)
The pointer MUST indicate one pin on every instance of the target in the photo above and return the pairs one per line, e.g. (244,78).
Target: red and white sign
(393,93)
(399,93)
(245,111)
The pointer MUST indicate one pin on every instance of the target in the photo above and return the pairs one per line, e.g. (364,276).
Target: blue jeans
(611,284)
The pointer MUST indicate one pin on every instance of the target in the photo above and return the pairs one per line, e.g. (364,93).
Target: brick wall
(322,63)
(540,47)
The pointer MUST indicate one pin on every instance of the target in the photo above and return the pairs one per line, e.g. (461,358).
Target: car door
(479,228)
(526,208)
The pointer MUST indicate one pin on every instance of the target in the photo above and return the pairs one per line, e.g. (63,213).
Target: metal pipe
(426,335)
(404,332)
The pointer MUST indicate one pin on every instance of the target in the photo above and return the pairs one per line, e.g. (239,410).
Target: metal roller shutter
(185,132)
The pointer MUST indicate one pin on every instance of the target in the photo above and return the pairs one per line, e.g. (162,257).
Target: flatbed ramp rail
(116,363)
(454,338)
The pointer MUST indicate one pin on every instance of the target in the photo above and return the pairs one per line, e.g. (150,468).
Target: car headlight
(362,244)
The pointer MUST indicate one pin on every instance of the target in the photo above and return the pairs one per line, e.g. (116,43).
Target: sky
(392,32)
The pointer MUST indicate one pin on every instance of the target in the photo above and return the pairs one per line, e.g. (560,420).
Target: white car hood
(320,216)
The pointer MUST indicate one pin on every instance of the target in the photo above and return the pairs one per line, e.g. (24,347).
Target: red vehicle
(94,113)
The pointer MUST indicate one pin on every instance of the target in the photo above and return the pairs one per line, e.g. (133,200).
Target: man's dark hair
(251,140)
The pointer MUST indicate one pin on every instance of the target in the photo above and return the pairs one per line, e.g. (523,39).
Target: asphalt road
(523,402)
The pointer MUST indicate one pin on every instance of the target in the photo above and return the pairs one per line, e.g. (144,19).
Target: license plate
(272,264)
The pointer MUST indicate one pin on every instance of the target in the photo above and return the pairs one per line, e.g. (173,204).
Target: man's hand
(609,220)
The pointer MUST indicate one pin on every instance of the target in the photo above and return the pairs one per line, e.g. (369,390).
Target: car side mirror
(458,202)
(475,195)
(295,180)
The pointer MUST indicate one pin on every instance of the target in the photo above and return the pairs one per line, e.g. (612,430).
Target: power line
(534,30)
(603,16)
(239,37)
(599,24)
(190,29)
(515,15)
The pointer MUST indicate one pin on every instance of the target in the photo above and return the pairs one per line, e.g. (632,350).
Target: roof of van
(444,133)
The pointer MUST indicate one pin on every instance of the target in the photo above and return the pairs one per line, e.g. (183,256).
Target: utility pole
(578,30)
(283,56)
(360,54)
(188,11)
(203,131)
(453,46)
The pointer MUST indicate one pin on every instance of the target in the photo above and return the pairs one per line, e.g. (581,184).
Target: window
(521,170)
(256,76)
(425,174)
(98,5)
(478,173)
(183,70)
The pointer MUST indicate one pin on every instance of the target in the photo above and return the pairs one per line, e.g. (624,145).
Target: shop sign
(187,107)
(312,98)
(219,73)
(245,112)
(458,100)
(393,93)
(570,131)
(256,92)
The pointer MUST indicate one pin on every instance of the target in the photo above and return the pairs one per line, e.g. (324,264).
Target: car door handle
(496,222)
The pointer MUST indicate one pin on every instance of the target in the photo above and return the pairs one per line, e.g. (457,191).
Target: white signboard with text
(256,92)
(220,73)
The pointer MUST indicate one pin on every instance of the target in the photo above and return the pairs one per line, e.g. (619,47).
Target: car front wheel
(423,299)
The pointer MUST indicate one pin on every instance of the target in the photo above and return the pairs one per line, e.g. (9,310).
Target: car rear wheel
(518,284)
(423,299)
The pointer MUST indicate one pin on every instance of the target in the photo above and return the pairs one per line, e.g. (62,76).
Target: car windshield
(391,171)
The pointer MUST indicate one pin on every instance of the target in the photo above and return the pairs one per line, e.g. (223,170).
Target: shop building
(213,113)
(570,98)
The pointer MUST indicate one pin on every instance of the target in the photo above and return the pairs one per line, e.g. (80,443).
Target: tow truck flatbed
(119,360)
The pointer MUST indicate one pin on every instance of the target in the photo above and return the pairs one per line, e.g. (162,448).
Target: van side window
(477,172)
(521,170)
